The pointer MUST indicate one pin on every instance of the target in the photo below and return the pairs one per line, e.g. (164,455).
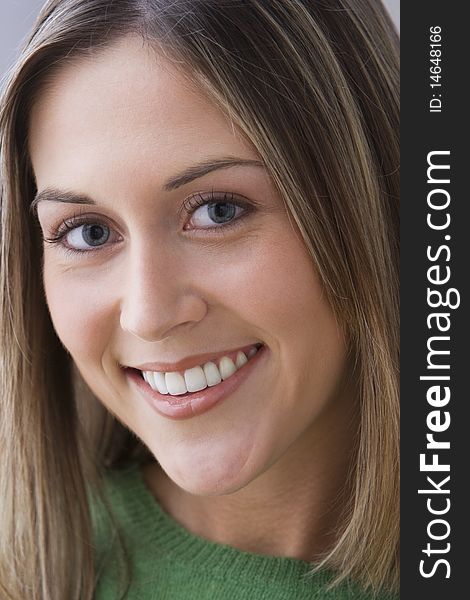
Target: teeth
(212,374)
(175,384)
(149,378)
(197,378)
(241,359)
(226,367)
(160,383)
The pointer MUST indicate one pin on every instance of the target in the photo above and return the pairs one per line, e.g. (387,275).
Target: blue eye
(87,235)
(215,213)
(216,210)
(81,234)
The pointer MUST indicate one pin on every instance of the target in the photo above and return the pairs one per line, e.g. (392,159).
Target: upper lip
(190,361)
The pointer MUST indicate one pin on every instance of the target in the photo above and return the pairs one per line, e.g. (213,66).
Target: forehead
(126,103)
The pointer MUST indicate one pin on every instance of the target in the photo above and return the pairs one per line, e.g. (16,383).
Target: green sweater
(170,563)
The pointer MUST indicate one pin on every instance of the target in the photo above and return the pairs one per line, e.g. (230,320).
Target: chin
(210,473)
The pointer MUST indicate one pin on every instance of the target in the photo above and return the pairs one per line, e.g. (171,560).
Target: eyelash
(190,205)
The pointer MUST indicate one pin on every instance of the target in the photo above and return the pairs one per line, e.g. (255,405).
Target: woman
(200,222)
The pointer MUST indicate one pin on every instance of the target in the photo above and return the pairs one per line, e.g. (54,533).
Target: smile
(209,374)
(169,392)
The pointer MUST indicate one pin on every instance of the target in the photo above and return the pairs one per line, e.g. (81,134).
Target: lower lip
(196,403)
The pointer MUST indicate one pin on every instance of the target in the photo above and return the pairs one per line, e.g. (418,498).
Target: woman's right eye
(87,236)
(77,235)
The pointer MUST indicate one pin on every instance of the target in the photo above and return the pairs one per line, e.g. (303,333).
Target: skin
(115,128)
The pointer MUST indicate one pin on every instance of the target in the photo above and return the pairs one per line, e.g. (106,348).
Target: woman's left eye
(215,210)
(214,214)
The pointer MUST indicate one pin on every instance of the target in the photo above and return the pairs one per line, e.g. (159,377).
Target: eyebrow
(189,174)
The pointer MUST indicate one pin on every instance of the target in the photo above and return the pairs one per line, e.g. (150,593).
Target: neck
(294,508)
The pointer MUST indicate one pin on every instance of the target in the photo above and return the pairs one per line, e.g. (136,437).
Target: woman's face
(167,248)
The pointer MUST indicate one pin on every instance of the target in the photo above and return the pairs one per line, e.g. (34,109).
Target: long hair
(314,87)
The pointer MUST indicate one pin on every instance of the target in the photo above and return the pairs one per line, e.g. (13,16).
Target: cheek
(277,290)
(80,312)
(271,282)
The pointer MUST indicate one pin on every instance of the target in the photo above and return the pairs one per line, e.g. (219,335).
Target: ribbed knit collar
(148,528)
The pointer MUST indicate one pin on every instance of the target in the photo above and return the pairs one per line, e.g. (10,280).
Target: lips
(199,377)
(190,361)
(190,404)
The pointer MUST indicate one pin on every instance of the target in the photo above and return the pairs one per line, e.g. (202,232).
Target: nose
(159,296)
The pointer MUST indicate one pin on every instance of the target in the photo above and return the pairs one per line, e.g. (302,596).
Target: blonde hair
(314,87)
